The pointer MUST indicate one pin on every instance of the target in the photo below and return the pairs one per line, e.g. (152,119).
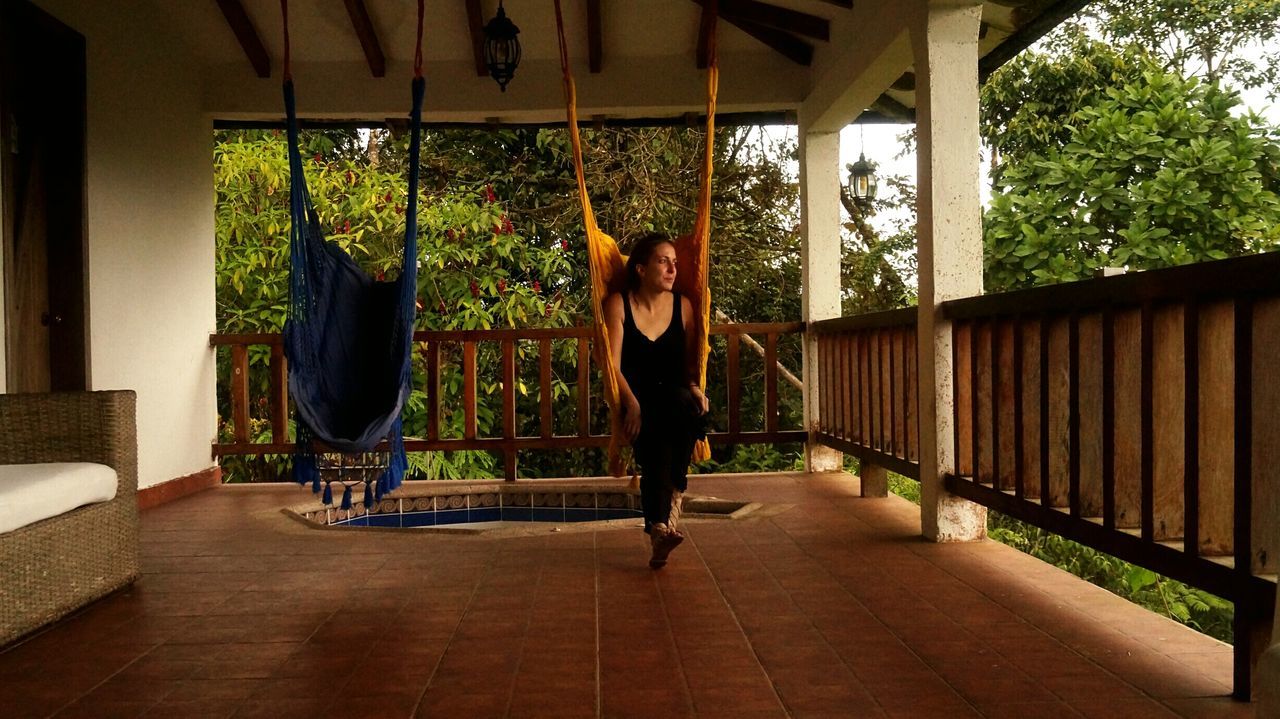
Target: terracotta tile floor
(833,607)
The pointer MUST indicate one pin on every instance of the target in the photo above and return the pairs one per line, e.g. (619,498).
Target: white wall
(150,231)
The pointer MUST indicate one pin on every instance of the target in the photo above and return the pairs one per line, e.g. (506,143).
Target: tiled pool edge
(489,496)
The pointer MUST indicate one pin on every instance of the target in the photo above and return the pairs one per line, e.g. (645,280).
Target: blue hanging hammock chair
(348,337)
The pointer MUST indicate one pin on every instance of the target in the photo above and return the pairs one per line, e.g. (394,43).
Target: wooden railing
(437,346)
(1136,414)
(867,369)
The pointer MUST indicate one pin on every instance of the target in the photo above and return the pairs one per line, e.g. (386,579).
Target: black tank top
(653,368)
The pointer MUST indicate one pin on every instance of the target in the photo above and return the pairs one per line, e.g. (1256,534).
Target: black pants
(663,450)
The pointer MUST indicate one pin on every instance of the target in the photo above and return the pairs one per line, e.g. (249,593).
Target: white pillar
(944,42)
(819,268)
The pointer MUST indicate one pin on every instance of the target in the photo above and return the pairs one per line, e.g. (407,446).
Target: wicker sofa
(54,566)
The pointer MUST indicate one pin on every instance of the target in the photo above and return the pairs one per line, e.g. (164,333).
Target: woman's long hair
(641,253)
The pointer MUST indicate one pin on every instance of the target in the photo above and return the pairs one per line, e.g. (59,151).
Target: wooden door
(42,149)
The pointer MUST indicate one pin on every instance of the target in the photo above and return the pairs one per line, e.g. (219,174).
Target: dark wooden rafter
(846,4)
(595,41)
(706,25)
(475,24)
(891,108)
(772,26)
(1027,33)
(778,18)
(791,47)
(363,26)
(247,36)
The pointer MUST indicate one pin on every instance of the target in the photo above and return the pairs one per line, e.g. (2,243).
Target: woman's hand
(631,418)
(703,405)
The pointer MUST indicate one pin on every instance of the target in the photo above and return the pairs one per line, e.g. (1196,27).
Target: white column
(944,41)
(819,268)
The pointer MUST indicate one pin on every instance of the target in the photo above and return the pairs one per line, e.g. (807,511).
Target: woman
(653,343)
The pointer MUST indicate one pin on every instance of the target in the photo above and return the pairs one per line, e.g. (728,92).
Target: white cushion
(32,492)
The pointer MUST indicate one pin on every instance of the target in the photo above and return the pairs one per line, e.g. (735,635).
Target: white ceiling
(648,67)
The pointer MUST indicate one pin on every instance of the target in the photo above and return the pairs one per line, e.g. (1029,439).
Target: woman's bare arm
(692,351)
(613,317)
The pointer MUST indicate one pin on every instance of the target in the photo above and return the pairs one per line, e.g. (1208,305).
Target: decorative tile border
(451,506)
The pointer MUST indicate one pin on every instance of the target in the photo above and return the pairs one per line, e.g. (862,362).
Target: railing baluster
(975,402)
(867,422)
(873,387)
(890,341)
(1148,421)
(849,388)
(469,388)
(433,391)
(1191,427)
(1046,495)
(731,366)
(913,397)
(545,390)
(1019,431)
(1073,414)
(584,386)
(884,377)
(1108,419)
(842,373)
(1245,622)
(279,389)
(771,383)
(900,401)
(509,408)
(240,392)
(996,405)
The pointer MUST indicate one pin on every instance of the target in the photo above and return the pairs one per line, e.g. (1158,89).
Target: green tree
(1161,172)
(1028,104)
(1220,41)
(477,272)
(501,245)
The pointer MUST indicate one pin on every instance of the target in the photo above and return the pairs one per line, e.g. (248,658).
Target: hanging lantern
(862,181)
(501,47)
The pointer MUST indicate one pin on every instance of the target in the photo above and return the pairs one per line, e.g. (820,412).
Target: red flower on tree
(502,287)
(475,289)
(488,194)
(537,286)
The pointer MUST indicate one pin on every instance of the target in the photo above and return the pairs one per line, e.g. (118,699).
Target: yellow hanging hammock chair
(608,264)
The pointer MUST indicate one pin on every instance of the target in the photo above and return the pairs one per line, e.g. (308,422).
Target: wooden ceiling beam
(475,24)
(789,46)
(363,26)
(846,4)
(778,18)
(891,108)
(247,36)
(595,42)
